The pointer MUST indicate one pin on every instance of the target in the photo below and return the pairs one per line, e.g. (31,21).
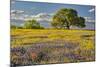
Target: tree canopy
(64,18)
(32,24)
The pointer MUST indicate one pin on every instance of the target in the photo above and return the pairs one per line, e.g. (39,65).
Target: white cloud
(17,11)
(17,18)
(91,10)
(20,15)
(43,17)
(39,17)
(17,14)
(89,19)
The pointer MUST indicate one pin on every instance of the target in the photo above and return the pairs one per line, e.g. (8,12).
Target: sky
(43,12)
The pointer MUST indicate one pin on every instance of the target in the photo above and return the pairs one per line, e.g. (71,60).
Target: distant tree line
(63,19)
(29,24)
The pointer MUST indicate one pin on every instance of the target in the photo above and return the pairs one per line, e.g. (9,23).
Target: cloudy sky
(43,12)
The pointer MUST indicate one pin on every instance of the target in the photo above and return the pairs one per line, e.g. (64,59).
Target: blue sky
(21,10)
(36,7)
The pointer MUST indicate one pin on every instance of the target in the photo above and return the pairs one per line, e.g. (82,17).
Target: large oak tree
(64,18)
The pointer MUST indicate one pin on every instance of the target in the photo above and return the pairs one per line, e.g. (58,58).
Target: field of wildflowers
(46,46)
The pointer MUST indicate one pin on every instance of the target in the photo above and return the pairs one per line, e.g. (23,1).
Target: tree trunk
(68,23)
(68,27)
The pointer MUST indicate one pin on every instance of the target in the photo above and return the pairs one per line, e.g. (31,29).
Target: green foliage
(81,22)
(13,27)
(32,24)
(65,18)
(16,27)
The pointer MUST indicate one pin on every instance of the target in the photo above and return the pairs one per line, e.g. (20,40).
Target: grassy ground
(51,46)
